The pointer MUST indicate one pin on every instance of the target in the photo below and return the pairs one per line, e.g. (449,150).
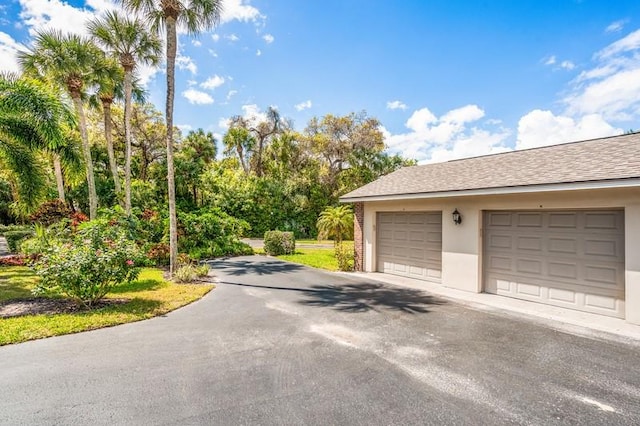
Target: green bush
(51,212)
(185,274)
(209,233)
(14,238)
(87,265)
(278,242)
(8,228)
(345,257)
(202,270)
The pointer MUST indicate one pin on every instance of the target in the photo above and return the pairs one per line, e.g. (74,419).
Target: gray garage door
(410,244)
(573,259)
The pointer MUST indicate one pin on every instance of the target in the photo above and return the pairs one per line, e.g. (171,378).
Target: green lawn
(323,258)
(149,296)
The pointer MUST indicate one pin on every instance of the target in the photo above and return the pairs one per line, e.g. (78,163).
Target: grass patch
(149,296)
(322,258)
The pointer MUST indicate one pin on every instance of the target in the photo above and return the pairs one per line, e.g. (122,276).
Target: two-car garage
(567,258)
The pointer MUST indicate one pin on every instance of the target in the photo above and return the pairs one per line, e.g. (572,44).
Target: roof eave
(567,186)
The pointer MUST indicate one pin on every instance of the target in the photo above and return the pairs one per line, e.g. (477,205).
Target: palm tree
(336,222)
(70,61)
(31,120)
(110,79)
(195,16)
(128,40)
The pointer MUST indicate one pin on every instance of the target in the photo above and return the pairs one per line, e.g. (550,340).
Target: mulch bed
(42,305)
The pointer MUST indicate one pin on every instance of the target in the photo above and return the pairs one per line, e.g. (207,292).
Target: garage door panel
(573,259)
(410,244)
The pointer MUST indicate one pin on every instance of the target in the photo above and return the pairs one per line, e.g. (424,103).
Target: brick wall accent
(358,236)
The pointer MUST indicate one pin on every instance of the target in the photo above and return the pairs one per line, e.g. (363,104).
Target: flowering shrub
(18,260)
(89,264)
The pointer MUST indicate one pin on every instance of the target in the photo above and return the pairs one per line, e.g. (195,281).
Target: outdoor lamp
(457,217)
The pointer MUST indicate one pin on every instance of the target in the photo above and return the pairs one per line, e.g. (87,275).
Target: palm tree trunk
(86,151)
(57,169)
(171,63)
(127,137)
(106,109)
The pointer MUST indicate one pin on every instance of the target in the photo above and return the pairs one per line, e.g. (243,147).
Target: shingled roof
(607,159)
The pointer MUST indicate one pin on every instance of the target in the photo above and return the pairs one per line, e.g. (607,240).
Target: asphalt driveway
(277,343)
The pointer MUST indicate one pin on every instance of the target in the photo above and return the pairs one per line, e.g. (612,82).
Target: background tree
(129,40)
(195,16)
(196,151)
(69,60)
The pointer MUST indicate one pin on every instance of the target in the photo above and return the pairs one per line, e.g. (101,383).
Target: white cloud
(232,38)
(550,60)
(456,134)
(223,123)
(252,112)
(611,88)
(303,105)
(196,43)
(215,37)
(56,14)
(268,38)
(213,53)
(184,127)
(231,94)
(239,10)
(616,26)
(212,82)
(396,105)
(625,44)
(197,97)
(567,65)
(258,52)
(8,50)
(542,128)
(186,63)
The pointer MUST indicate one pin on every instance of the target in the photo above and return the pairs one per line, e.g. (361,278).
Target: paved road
(278,343)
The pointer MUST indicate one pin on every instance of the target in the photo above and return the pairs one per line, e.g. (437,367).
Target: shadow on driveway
(250,267)
(360,297)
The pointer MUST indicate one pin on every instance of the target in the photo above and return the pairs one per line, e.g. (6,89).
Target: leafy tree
(31,119)
(239,142)
(336,222)
(196,151)
(195,16)
(70,61)
(128,40)
(109,84)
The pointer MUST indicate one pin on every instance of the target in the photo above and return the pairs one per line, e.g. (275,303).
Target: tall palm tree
(109,84)
(195,16)
(69,60)
(129,40)
(31,120)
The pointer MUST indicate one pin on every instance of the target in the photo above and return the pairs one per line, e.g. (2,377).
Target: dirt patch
(44,306)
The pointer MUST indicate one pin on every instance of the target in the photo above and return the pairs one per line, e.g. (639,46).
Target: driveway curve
(279,343)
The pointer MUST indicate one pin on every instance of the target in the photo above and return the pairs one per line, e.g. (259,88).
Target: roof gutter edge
(572,186)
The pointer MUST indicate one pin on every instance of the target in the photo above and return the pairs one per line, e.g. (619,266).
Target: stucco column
(632,263)
(358,237)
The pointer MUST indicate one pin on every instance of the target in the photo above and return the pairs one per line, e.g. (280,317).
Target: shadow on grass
(139,285)
(134,306)
(16,283)
(258,267)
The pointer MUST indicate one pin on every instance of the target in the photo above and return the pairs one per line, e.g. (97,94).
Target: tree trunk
(171,63)
(86,151)
(57,169)
(127,137)
(106,109)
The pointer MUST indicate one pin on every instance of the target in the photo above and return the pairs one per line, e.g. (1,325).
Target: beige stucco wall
(462,244)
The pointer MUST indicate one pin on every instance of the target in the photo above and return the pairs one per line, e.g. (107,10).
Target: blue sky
(447,79)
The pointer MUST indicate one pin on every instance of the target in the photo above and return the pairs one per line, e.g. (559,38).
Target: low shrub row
(277,243)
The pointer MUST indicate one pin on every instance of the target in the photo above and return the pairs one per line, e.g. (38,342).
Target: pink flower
(130,262)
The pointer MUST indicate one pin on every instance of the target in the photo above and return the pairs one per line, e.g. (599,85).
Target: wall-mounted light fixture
(457,217)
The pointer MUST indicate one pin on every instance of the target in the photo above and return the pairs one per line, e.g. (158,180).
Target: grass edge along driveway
(149,296)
